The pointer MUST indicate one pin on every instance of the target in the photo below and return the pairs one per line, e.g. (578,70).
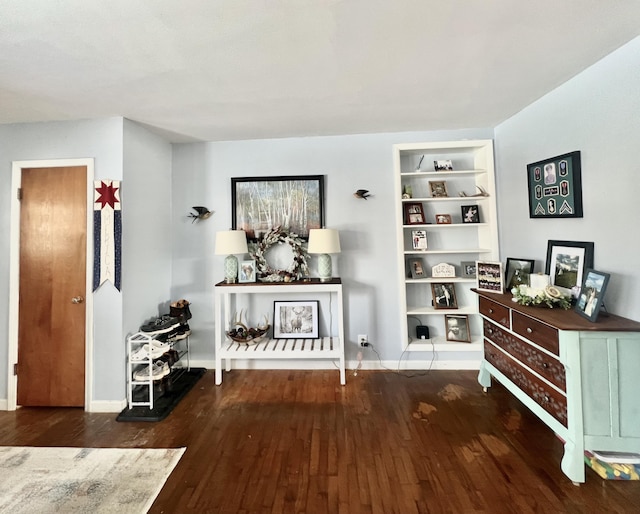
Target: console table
(328,347)
(578,377)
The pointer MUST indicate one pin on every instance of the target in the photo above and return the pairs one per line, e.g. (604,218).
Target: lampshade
(231,241)
(324,240)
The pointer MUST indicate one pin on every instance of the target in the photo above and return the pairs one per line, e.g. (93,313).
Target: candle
(539,281)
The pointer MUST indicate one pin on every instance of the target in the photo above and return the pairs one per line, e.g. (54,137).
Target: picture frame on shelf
(413,213)
(470,214)
(419,239)
(247,271)
(555,187)
(416,268)
(489,276)
(299,200)
(443,165)
(468,269)
(438,189)
(457,328)
(591,297)
(443,219)
(444,295)
(517,271)
(566,263)
(295,319)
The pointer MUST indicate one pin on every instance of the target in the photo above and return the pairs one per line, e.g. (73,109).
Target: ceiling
(211,70)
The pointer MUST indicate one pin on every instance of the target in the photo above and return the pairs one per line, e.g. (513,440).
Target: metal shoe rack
(136,341)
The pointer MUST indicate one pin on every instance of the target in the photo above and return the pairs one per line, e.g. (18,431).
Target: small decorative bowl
(251,336)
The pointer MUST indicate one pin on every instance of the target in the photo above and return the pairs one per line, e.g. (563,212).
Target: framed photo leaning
(443,219)
(591,295)
(296,203)
(555,187)
(517,272)
(489,276)
(419,239)
(438,189)
(566,262)
(457,326)
(470,214)
(295,320)
(247,272)
(444,295)
(416,268)
(413,213)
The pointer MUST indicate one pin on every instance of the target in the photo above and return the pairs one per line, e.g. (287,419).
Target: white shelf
(454,243)
(321,348)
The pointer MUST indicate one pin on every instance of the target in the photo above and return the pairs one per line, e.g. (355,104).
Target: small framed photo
(566,262)
(517,272)
(443,219)
(295,320)
(438,189)
(413,213)
(470,214)
(445,165)
(457,326)
(591,294)
(247,271)
(444,295)
(489,276)
(419,239)
(468,269)
(416,268)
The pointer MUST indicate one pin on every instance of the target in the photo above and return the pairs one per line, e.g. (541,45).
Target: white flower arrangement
(549,296)
(298,268)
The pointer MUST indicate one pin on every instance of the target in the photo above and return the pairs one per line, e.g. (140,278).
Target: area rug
(45,480)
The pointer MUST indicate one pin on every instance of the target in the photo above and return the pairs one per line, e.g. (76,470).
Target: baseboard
(107,405)
(416,365)
(4,404)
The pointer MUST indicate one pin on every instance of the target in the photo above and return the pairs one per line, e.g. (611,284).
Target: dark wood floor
(298,442)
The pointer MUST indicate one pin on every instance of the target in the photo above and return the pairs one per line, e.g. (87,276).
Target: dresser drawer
(495,311)
(554,402)
(542,363)
(541,334)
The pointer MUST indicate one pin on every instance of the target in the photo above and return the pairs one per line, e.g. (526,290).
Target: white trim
(413,365)
(107,406)
(14,275)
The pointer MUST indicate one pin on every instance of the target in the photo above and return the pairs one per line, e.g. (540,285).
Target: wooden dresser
(580,378)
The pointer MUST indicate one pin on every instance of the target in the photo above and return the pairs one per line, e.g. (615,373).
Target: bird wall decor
(362,193)
(202,213)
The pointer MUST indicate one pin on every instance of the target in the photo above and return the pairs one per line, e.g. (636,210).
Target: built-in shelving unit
(451,243)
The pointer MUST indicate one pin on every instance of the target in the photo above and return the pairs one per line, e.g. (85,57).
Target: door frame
(14,275)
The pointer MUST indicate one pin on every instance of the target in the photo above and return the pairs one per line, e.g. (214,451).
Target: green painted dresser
(580,378)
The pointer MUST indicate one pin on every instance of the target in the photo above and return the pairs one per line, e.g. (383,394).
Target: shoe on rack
(180,309)
(152,351)
(184,330)
(159,369)
(168,337)
(160,325)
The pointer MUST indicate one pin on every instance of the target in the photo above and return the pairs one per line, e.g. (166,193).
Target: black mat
(168,394)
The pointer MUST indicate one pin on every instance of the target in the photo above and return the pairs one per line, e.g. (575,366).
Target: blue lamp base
(231,269)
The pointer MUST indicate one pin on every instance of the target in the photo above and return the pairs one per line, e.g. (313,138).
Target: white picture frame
(295,319)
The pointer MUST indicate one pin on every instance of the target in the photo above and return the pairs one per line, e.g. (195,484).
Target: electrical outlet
(363,340)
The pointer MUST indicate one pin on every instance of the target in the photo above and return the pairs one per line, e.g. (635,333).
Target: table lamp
(324,241)
(230,242)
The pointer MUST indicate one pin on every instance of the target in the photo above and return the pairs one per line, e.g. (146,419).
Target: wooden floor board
(297,441)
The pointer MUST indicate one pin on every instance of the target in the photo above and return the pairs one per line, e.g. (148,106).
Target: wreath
(298,267)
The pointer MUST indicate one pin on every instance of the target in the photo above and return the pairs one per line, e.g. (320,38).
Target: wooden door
(51,326)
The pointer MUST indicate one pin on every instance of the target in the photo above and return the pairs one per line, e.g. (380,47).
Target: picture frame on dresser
(591,297)
(295,319)
(413,213)
(566,263)
(444,295)
(489,276)
(457,327)
(517,272)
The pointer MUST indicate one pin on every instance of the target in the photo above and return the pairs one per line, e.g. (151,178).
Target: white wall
(598,113)
(202,175)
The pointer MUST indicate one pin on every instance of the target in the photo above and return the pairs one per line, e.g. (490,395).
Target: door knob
(77,299)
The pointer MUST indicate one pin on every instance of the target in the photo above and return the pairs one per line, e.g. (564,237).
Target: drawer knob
(545,365)
(546,398)
(529,330)
(490,311)
(490,331)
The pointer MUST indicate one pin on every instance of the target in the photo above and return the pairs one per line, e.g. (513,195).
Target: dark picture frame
(438,189)
(517,271)
(566,263)
(413,213)
(470,213)
(295,319)
(591,297)
(444,295)
(416,268)
(443,165)
(295,203)
(489,276)
(555,187)
(457,328)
